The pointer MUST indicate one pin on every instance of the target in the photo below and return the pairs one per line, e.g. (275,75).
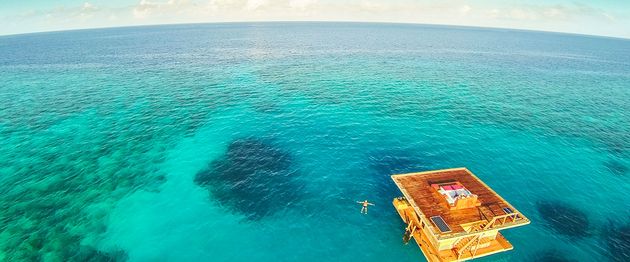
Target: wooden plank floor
(432,203)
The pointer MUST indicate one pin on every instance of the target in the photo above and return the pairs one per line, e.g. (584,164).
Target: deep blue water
(252,142)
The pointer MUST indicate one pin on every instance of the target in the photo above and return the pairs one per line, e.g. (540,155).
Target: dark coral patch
(86,253)
(564,219)
(616,167)
(618,146)
(551,255)
(618,242)
(254,178)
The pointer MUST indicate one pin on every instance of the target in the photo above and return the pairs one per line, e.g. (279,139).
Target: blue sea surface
(253,141)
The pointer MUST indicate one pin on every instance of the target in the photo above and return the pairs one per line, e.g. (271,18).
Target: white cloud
(465,9)
(575,17)
(609,16)
(255,4)
(554,12)
(146,8)
(550,13)
(143,9)
(523,14)
(302,4)
(88,7)
(374,6)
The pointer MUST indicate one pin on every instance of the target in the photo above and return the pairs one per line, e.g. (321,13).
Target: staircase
(463,242)
(469,245)
(471,242)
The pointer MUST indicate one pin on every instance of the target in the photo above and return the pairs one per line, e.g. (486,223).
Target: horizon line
(319,21)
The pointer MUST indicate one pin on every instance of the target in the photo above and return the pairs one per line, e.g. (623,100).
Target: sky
(594,17)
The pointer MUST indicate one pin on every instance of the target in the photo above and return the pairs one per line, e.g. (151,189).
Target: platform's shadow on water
(255,177)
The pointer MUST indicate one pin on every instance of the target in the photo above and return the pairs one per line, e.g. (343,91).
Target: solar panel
(441,224)
(508,210)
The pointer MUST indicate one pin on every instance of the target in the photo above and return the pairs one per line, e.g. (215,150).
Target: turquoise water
(252,142)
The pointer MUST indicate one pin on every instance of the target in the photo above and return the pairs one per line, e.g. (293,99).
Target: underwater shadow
(564,219)
(617,239)
(87,253)
(254,177)
(551,255)
(615,167)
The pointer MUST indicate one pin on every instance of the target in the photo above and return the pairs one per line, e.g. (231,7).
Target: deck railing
(496,222)
(501,220)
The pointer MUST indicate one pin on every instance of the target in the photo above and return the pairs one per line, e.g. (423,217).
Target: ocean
(253,141)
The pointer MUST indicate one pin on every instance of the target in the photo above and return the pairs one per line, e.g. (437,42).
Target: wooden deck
(458,252)
(417,188)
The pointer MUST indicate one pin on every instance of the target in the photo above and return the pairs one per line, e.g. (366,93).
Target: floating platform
(454,216)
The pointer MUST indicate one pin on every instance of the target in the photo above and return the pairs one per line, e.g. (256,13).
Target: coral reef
(564,219)
(551,255)
(616,167)
(254,178)
(617,239)
(66,178)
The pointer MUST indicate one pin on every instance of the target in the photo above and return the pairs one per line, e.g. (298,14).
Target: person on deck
(364,207)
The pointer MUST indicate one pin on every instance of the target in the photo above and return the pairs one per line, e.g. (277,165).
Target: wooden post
(477,246)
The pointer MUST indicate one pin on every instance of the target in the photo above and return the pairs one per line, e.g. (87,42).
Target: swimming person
(365,204)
